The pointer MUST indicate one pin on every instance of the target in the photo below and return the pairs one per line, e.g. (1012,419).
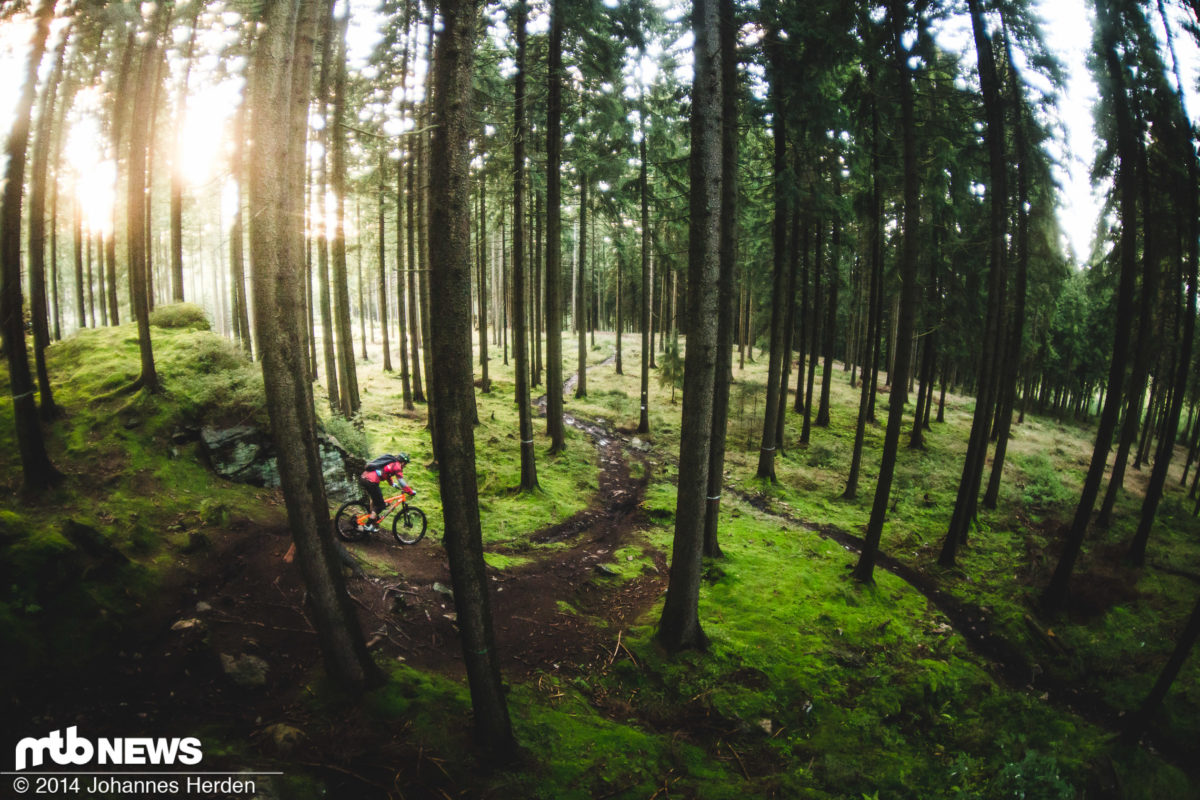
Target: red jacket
(395,468)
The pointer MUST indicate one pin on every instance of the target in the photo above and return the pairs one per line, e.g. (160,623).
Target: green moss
(180,315)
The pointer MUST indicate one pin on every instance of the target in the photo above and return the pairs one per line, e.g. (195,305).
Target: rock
(241,453)
(247,671)
(639,445)
(246,454)
(188,624)
(605,569)
(203,607)
(443,589)
(766,726)
(282,739)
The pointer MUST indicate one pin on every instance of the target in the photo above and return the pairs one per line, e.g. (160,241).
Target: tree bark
(835,258)
(871,340)
(766,453)
(383,292)
(990,358)
(529,480)
(347,373)
(863,571)
(679,627)
(321,179)
(452,382)
(136,198)
(275,233)
(554,379)
(1056,592)
(177,158)
(581,290)
(727,255)
(647,277)
(37,471)
(39,311)
(1189,223)
(237,259)
(414,302)
(1016,329)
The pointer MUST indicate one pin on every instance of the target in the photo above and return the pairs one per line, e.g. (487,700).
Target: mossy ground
(813,686)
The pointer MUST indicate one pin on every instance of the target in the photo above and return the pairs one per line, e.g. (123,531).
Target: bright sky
(1067,25)
(1068,33)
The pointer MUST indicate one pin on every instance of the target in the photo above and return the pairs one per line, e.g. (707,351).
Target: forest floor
(929,684)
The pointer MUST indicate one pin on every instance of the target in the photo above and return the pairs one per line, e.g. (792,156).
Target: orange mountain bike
(352,522)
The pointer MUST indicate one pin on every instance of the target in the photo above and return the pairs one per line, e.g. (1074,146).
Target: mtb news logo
(76,750)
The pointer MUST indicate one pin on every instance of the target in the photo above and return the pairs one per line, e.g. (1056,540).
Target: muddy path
(561,610)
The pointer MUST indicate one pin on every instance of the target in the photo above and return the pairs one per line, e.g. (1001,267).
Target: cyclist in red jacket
(388,468)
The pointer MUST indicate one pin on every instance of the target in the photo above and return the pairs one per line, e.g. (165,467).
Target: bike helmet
(403,457)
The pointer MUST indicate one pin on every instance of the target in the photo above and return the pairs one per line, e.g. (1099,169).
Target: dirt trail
(544,612)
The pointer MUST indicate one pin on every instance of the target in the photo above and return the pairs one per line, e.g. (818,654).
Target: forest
(769,431)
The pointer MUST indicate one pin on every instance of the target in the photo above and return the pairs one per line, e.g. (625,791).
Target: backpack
(377,464)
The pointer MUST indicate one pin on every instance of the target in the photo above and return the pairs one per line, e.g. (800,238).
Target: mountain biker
(386,467)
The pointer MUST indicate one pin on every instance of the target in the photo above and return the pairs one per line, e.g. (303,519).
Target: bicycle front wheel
(345,521)
(409,525)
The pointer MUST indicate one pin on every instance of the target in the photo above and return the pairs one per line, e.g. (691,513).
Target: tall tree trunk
(177,159)
(37,471)
(485,384)
(529,480)
(535,290)
(619,324)
(871,339)
(1056,592)
(647,277)
(401,315)
(898,12)
(123,100)
(727,255)
(383,292)
(798,255)
(347,373)
(990,357)
(321,179)
(679,627)
(779,297)
(80,243)
(237,260)
(1016,329)
(1189,224)
(414,301)
(452,385)
(554,325)
(423,214)
(40,161)
(835,258)
(581,304)
(279,68)
(136,199)
(814,331)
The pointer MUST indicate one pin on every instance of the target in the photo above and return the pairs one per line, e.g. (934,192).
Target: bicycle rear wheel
(409,525)
(345,521)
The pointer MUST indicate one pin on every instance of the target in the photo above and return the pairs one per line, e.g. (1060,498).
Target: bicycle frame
(390,505)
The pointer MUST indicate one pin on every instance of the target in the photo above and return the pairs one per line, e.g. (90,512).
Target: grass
(814,686)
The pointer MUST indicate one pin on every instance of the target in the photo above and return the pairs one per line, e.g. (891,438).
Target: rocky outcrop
(245,454)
